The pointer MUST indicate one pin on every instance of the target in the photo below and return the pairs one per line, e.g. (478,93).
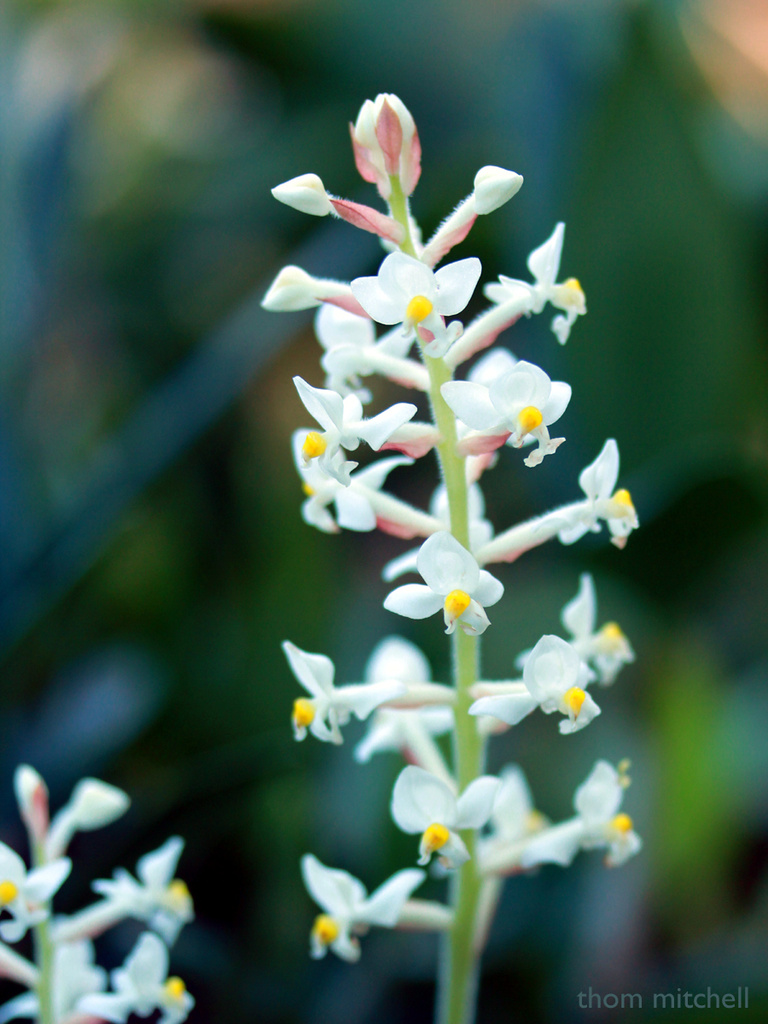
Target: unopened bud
(494,186)
(305,193)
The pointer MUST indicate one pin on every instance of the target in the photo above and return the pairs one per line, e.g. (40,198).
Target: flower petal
(420,799)
(475,804)
(455,284)
(544,262)
(336,891)
(446,565)
(414,601)
(385,904)
(315,672)
(471,403)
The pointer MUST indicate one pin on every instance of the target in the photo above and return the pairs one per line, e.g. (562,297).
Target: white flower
(75,974)
(360,505)
(142,986)
(386,144)
(544,264)
(513,820)
(607,648)
(598,824)
(519,405)
(454,582)
(93,805)
(348,909)
(157,898)
(406,291)
(598,481)
(329,706)
(344,427)
(422,803)
(25,894)
(352,351)
(554,678)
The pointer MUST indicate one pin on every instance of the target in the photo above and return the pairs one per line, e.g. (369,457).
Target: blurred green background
(152,556)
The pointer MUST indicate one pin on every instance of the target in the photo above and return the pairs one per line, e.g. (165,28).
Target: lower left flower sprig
(64,983)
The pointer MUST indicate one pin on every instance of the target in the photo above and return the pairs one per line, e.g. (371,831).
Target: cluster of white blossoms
(470,821)
(64,984)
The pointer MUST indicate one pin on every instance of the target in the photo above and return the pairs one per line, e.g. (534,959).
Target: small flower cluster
(487,825)
(65,985)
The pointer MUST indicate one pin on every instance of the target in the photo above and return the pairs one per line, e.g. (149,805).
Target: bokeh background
(152,556)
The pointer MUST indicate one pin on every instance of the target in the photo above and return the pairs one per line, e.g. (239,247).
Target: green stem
(43,947)
(459,968)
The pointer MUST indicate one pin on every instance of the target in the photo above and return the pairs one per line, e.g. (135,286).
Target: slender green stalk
(459,968)
(43,954)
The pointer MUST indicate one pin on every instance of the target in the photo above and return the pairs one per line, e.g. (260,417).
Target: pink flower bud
(386,144)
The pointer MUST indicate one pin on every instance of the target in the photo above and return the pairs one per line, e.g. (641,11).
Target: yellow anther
(574,698)
(573,286)
(418,309)
(314,445)
(535,821)
(623,497)
(309,491)
(456,603)
(8,892)
(325,930)
(303,712)
(612,631)
(529,418)
(174,989)
(178,893)
(434,838)
(622,823)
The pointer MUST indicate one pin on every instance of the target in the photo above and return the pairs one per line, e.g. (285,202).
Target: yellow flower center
(456,603)
(572,284)
(434,838)
(574,698)
(178,894)
(309,491)
(623,498)
(325,930)
(303,712)
(535,821)
(622,823)
(530,418)
(314,445)
(8,892)
(418,309)
(174,989)
(611,638)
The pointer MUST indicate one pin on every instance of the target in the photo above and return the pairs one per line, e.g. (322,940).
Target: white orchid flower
(155,897)
(348,910)
(352,351)
(453,581)
(142,986)
(344,427)
(407,292)
(607,648)
(328,707)
(518,406)
(25,895)
(426,805)
(554,679)
(599,823)
(597,482)
(544,264)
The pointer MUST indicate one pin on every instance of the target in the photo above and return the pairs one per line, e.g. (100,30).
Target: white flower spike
(454,582)
(518,406)
(406,291)
(328,707)
(348,910)
(422,803)
(142,986)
